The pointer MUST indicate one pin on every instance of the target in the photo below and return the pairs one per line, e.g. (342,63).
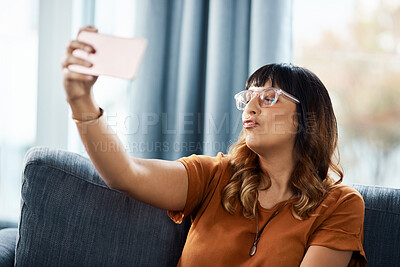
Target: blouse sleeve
(342,228)
(201,173)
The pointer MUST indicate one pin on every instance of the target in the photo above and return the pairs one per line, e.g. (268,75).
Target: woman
(270,202)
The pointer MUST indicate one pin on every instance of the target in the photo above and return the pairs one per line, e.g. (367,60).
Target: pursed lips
(249,123)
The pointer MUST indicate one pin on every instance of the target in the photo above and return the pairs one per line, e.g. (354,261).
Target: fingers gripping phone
(114,56)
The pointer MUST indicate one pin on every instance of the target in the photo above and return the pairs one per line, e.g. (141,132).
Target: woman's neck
(279,167)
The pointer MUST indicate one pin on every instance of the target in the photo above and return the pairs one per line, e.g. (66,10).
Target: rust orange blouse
(217,238)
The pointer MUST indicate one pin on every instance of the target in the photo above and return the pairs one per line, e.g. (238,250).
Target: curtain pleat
(199,55)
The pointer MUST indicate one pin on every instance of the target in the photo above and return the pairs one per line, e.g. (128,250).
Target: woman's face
(270,129)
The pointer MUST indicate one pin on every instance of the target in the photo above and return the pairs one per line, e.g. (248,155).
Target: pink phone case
(115,56)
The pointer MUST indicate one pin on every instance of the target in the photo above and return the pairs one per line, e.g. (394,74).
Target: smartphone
(115,56)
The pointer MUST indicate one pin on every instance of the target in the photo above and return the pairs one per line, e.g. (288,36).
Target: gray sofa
(69,217)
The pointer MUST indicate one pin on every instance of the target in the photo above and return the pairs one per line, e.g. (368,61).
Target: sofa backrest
(381,225)
(70,217)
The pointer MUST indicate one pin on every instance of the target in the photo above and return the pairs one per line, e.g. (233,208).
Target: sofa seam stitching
(68,172)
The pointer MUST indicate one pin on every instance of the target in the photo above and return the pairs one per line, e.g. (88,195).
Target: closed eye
(269,100)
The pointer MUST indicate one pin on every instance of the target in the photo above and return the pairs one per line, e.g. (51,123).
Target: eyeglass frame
(278,92)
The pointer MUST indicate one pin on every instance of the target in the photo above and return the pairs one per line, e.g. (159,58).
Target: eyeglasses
(267,97)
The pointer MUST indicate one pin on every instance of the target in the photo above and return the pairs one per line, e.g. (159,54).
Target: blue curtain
(199,55)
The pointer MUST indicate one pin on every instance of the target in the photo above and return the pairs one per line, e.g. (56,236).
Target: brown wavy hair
(314,148)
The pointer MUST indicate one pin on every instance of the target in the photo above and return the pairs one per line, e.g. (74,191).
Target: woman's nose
(253,107)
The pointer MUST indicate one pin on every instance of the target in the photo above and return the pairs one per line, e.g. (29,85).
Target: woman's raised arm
(160,183)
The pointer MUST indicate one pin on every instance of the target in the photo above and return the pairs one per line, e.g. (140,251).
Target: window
(113,94)
(18,76)
(353,46)
(26,123)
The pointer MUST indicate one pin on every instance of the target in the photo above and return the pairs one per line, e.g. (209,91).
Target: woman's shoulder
(206,166)
(342,191)
(220,159)
(344,196)
(342,208)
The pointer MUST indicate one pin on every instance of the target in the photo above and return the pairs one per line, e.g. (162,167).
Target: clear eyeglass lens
(242,99)
(267,97)
(240,105)
(246,96)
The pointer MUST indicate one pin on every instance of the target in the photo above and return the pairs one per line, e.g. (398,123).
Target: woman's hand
(76,85)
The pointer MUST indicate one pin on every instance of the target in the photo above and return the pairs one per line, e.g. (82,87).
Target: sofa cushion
(381,225)
(8,238)
(69,217)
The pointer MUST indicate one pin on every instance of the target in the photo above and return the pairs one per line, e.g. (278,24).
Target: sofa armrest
(69,216)
(8,239)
